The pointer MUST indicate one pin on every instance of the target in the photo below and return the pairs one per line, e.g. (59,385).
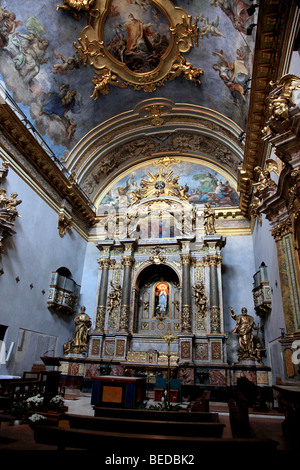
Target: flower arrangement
(57,401)
(35,401)
(35,418)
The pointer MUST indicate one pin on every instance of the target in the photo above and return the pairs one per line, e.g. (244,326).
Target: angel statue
(77,6)
(264,179)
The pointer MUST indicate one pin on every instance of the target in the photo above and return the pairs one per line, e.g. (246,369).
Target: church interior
(150,223)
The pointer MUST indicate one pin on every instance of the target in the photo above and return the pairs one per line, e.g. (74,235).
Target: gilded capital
(282,229)
(106,263)
(186,258)
(128,261)
(212,260)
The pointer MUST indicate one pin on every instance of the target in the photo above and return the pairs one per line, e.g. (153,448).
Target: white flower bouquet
(35,401)
(58,401)
(35,418)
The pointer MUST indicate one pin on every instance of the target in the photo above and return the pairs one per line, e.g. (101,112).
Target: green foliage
(17,409)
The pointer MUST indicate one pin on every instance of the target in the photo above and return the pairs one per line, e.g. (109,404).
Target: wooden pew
(143,444)
(201,403)
(239,416)
(138,426)
(143,414)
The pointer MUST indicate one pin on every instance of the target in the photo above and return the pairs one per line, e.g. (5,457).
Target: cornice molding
(275,26)
(22,139)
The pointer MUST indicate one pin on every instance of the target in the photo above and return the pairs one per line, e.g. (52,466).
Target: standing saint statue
(83,324)
(209,220)
(244,328)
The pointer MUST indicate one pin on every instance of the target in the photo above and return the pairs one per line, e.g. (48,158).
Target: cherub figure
(101,83)
(77,6)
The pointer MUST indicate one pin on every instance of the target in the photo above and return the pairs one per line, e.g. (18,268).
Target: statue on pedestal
(209,220)
(79,343)
(244,328)
(8,206)
(83,324)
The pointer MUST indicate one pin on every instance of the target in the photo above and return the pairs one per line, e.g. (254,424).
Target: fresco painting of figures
(41,71)
(136,34)
(204,185)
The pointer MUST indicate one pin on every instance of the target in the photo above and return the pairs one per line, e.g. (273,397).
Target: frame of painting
(93,48)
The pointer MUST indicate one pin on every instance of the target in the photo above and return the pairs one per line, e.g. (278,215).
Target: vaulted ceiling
(101,92)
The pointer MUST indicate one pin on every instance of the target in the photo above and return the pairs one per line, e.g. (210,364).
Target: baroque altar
(160,271)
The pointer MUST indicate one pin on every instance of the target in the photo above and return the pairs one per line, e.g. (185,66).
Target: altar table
(118,391)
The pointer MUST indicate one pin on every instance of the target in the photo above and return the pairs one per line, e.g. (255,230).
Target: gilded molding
(77,6)
(275,19)
(4,170)
(124,317)
(186,259)
(212,260)
(294,194)
(21,138)
(281,105)
(100,317)
(282,230)
(157,257)
(128,261)
(64,223)
(8,214)
(155,112)
(183,36)
(215,321)
(106,263)
(186,311)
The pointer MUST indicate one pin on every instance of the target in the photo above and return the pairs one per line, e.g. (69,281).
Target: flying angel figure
(210,27)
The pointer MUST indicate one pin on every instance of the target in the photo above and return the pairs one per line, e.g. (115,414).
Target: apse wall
(29,258)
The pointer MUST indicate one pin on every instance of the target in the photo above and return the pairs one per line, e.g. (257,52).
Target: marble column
(104,265)
(289,281)
(186,305)
(213,261)
(128,263)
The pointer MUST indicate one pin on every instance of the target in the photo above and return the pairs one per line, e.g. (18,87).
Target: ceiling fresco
(43,73)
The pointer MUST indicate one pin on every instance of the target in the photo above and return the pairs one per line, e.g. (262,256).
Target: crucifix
(169,337)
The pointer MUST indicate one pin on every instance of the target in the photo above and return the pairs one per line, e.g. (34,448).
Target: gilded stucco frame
(183,36)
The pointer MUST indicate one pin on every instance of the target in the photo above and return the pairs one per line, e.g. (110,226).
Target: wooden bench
(144,415)
(201,403)
(139,444)
(19,389)
(138,426)
(239,416)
